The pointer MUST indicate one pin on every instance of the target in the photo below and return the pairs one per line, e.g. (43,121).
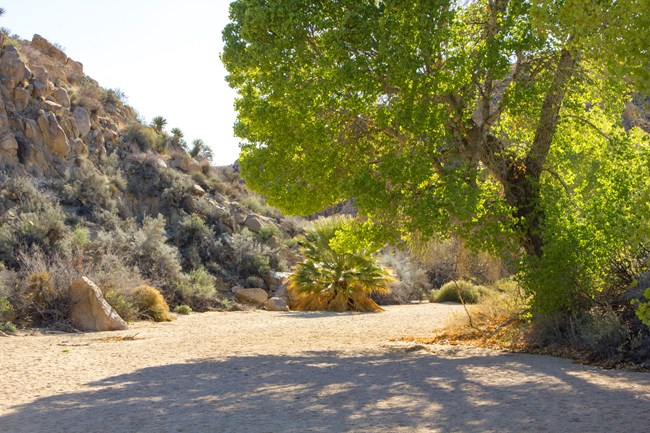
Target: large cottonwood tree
(499,120)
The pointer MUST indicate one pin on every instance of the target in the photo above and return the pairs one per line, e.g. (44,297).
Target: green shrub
(122,306)
(249,256)
(182,309)
(199,290)
(143,136)
(150,304)
(257,205)
(6,316)
(449,292)
(268,231)
(196,242)
(35,222)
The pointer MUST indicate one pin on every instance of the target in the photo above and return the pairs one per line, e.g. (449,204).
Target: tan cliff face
(51,114)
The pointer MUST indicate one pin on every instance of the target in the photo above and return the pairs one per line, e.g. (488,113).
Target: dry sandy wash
(303,372)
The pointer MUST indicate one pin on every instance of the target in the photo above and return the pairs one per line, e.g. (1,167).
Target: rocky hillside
(86,188)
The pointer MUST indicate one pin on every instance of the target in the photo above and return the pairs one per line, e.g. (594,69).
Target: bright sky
(163,54)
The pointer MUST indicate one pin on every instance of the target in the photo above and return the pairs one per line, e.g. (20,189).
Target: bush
(41,288)
(198,290)
(35,222)
(249,256)
(411,281)
(122,306)
(6,316)
(257,205)
(196,242)
(150,304)
(182,309)
(143,136)
(449,292)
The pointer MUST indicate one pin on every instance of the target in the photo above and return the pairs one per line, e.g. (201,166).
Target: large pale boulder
(276,304)
(90,311)
(82,118)
(252,296)
(53,136)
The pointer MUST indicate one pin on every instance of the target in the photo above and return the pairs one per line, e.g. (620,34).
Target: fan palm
(332,280)
(158,123)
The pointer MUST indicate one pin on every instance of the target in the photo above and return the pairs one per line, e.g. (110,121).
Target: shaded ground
(303,372)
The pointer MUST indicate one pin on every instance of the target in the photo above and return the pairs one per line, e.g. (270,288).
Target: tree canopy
(497,120)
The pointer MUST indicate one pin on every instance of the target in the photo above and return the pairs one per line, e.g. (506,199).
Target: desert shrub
(249,257)
(411,280)
(89,95)
(600,334)
(199,290)
(449,292)
(6,316)
(143,250)
(143,136)
(196,242)
(122,306)
(36,221)
(268,231)
(449,259)
(257,205)
(111,270)
(182,309)
(89,189)
(150,304)
(336,279)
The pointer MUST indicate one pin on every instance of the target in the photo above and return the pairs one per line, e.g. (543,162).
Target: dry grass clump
(150,304)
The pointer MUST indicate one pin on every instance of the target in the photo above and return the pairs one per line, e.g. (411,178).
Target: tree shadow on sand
(332,392)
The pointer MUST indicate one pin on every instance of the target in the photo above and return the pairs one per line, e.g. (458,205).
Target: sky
(163,54)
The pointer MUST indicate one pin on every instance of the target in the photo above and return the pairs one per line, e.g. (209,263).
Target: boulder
(276,304)
(78,147)
(253,223)
(53,136)
(52,106)
(21,98)
(8,143)
(90,311)
(12,69)
(186,164)
(42,45)
(40,74)
(252,296)
(197,190)
(60,96)
(82,118)
(38,89)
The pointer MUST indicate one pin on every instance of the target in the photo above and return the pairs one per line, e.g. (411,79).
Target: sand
(257,371)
